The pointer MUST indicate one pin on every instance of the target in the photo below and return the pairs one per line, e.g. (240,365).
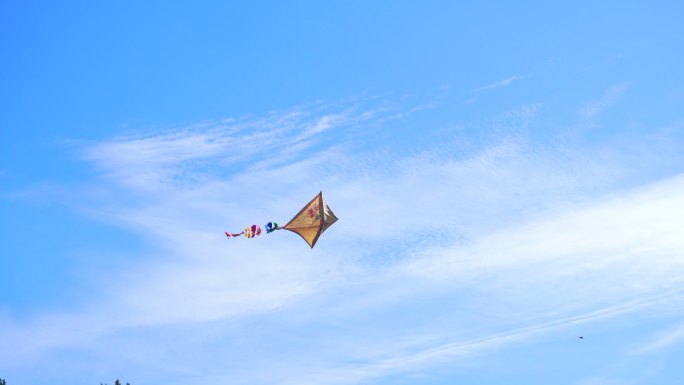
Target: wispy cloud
(590,111)
(531,237)
(466,349)
(663,340)
(501,83)
(147,161)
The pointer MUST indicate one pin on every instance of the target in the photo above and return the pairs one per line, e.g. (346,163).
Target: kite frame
(320,213)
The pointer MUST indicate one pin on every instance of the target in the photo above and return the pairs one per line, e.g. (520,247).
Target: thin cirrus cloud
(561,274)
(664,340)
(566,281)
(531,237)
(546,275)
(501,83)
(461,348)
(590,111)
(149,161)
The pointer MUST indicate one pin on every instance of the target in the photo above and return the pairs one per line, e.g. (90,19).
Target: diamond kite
(310,222)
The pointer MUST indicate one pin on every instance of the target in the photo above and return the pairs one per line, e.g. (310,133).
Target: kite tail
(255,230)
(271,227)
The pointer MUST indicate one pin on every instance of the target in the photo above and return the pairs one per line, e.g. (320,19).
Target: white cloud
(438,256)
(590,111)
(664,340)
(605,259)
(149,162)
(501,83)
(326,122)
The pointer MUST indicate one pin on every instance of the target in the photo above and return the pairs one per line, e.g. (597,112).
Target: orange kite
(310,222)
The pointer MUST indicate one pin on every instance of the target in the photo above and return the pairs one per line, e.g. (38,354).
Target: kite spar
(310,222)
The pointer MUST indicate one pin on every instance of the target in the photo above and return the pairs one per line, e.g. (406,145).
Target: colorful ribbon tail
(255,230)
(233,234)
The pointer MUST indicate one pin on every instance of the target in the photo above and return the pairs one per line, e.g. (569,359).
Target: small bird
(581,337)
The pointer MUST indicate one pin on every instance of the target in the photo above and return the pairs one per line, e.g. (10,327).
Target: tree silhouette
(117,382)
(2,382)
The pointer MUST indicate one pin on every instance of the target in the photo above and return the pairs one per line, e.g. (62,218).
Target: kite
(310,222)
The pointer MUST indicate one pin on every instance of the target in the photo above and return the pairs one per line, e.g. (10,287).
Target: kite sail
(310,222)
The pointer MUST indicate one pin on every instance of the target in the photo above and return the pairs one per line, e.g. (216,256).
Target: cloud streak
(439,255)
(664,340)
(501,83)
(590,111)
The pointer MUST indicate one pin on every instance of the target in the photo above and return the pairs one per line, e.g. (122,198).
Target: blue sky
(508,177)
